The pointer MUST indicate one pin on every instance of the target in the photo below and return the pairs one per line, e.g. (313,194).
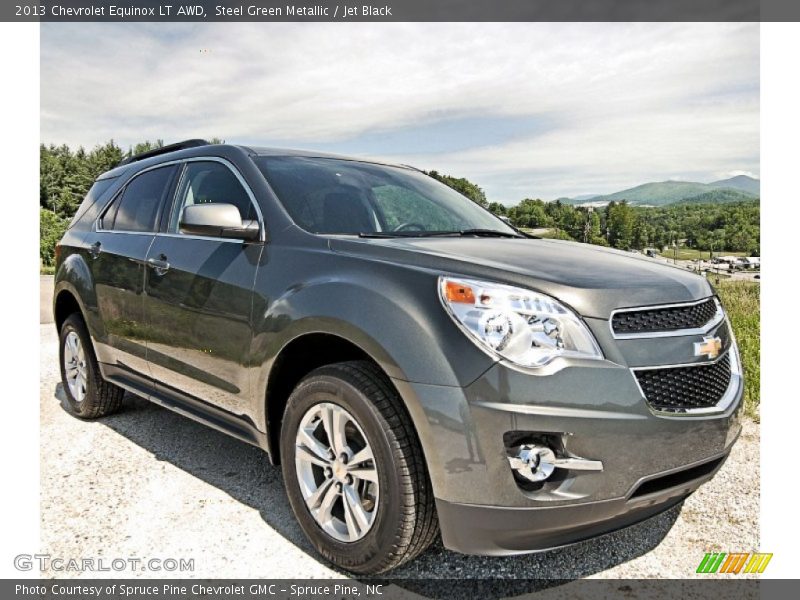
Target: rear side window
(207,182)
(136,209)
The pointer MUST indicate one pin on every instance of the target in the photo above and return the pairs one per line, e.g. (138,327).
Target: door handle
(159,265)
(94,250)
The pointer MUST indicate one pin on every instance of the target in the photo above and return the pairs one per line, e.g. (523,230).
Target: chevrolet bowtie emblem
(710,347)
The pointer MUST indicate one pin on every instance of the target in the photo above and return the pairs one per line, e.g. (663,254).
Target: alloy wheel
(336,471)
(75,368)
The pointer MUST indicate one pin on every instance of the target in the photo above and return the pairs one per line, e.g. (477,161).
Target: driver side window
(207,182)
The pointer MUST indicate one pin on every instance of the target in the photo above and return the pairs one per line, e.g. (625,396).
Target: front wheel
(354,470)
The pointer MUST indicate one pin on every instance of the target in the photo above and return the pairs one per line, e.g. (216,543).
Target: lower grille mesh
(682,388)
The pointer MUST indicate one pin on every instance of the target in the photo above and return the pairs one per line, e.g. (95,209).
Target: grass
(742,301)
(715,277)
(693,253)
(45,270)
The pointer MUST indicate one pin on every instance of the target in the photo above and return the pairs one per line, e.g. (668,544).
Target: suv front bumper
(598,412)
(499,531)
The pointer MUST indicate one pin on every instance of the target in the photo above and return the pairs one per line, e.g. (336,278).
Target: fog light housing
(532,462)
(536,462)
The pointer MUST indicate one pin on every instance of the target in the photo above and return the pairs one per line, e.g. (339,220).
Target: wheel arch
(297,358)
(65,303)
(303,354)
(327,320)
(74,291)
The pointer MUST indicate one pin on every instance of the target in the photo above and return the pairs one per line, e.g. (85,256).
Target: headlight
(522,326)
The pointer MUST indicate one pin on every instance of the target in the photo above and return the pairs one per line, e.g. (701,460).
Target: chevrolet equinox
(416,365)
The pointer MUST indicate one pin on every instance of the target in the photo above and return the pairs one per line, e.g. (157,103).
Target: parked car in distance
(749,262)
(416,365)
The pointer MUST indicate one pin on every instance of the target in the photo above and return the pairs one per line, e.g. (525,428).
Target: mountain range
(661,193)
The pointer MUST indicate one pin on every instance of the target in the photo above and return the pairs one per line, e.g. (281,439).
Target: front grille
(677,389)
(674,318)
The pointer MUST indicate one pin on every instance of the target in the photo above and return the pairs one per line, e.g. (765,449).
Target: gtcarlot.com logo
(734,562)
(48,562)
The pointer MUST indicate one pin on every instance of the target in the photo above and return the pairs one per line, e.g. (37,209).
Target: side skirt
(198,410)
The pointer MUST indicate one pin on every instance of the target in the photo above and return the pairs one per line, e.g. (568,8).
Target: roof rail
(163,150)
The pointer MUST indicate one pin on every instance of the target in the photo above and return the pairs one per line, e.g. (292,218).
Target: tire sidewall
(80,409)
(365,554)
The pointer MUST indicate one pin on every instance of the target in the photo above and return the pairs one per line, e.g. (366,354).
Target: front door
(199,296)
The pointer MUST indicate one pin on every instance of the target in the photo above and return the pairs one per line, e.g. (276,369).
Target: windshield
(333,196)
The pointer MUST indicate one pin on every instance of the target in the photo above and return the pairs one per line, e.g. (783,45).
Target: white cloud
(623,102)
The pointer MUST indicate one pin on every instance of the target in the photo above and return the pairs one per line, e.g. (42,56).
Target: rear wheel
(88,395)
(354,471)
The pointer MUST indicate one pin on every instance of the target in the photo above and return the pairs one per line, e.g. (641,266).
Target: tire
(89,396)
(402,518)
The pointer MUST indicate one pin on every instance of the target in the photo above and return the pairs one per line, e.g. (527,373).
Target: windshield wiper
(489,233)
(406,234)
(395,234)
(460,233)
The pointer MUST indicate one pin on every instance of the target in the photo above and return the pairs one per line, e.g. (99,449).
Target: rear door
(118,248)
(199,301)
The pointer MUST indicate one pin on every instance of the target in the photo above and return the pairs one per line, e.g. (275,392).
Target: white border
(780,220)
(780,128)
(19,157)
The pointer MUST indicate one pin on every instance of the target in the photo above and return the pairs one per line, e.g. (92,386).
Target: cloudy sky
(524,110)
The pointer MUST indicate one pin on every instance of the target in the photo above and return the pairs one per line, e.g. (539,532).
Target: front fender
(395,317)
(400,324)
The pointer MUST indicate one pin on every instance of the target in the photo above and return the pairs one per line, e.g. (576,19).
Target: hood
(591,279)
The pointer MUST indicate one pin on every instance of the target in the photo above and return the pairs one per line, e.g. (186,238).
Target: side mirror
(217,220)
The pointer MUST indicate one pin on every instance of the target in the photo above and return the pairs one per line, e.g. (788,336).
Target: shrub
(51,230)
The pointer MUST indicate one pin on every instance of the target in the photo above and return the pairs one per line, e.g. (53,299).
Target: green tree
(595,230)
(463,186)
(145,146)
(51,230)
(498,209)
(620,221)
(530,213)
(103,158)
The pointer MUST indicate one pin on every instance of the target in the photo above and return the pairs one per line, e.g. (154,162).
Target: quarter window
(137,208)
(107,220)
(206,182)
(98,189)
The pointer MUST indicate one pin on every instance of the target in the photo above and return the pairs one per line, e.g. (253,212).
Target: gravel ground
(148,483)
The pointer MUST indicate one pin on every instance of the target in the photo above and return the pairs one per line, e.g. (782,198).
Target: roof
(194,143)
(269,151)
(194,147)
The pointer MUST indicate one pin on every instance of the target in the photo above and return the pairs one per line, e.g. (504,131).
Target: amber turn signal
(458,292)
